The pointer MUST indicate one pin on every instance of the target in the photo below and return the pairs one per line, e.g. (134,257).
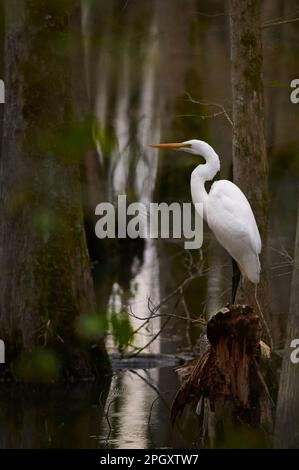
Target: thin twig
(188,322)
(160,396)
(139,350)
(277,23)
(151,409)
(108,420)
(210,103)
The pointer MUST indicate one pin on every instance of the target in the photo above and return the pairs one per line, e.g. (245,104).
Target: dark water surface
(136,414)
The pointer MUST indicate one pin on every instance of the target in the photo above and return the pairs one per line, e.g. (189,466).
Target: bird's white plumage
(225,208)
(227,212)
(231,219)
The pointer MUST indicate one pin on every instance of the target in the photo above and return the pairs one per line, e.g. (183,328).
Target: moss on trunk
(45,282)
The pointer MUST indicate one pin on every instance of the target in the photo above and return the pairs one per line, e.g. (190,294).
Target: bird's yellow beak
(169,146)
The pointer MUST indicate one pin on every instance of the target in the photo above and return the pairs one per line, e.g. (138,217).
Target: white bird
(227,212)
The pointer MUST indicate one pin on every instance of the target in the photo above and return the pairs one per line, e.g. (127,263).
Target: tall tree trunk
(287,413)
(45,283)
(250,165)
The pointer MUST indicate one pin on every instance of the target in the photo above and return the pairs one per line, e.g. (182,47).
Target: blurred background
(159,71)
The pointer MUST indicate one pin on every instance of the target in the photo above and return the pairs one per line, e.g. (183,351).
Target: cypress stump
(226,386)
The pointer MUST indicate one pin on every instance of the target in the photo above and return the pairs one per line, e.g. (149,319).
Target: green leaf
(121,329)
(92,326)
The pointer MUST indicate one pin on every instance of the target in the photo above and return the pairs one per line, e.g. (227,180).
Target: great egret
(227,212)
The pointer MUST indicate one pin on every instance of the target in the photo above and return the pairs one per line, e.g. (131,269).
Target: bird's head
(196,147)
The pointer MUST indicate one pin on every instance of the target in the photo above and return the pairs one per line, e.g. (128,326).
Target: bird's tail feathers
(251,267)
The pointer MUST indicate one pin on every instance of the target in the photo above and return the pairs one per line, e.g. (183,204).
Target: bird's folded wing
(230,214)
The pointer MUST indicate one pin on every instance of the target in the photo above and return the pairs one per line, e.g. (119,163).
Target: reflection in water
(137,412)
(133,131)
(144,284)
(131,409)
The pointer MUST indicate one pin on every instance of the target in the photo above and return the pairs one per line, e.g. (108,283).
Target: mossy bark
(45,282)
(250,165)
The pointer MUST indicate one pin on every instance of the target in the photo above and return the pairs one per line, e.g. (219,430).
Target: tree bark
(250,166)
(45,283)
(226,385)
(287,412)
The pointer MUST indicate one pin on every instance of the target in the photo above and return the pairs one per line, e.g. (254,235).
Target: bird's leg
(235,279)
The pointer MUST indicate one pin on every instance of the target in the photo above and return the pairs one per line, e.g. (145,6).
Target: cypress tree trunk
(287,413)
(250,165)
(45,283)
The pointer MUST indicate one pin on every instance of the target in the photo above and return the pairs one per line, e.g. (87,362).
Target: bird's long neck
(203,173)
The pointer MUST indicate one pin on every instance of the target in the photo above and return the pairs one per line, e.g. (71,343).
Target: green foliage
(121,330)
(92,326)
(40,365)
(104,136)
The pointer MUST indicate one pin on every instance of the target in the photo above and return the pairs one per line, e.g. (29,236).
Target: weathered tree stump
(226,384)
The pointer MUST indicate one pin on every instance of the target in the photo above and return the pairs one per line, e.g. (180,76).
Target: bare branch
(210,103)
(280,22)
(188,323)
